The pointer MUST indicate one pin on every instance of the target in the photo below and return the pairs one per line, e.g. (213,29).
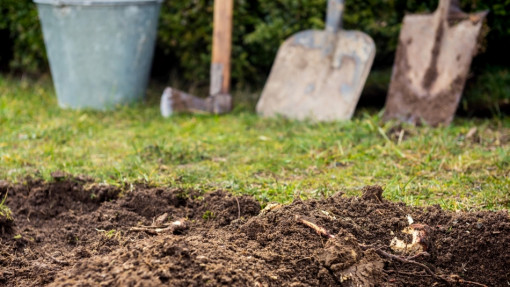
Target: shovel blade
(431,67)
(309,82)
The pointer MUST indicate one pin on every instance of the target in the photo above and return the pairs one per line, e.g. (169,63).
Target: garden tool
(432,64)
(319,75)
(219,100)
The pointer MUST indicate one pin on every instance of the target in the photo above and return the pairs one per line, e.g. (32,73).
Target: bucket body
(100,52)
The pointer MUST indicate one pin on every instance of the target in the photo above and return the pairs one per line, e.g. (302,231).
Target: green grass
(5,211)
(272,159)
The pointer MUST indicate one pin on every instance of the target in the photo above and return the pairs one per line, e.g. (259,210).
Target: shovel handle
(334,15)
(222,46)
(448,6)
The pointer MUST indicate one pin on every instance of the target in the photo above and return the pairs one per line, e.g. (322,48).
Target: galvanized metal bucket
(100,52)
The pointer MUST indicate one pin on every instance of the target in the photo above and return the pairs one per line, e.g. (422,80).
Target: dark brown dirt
(72,233)
(6,225)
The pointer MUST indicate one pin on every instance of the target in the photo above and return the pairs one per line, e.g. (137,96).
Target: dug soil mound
(73,233)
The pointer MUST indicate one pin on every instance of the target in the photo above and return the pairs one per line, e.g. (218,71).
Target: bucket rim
(95,2)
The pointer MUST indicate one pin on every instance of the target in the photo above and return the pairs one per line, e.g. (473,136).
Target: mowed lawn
(465,166)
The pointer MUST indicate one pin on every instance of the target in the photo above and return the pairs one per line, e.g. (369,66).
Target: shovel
(432,64)
(219,100)
(319,75)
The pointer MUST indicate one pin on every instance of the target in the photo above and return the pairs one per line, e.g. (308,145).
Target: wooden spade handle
(222,47)
(447,7)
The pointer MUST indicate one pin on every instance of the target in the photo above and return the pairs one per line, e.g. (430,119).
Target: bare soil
(73,233)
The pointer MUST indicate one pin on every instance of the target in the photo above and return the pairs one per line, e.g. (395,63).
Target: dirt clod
(373,193)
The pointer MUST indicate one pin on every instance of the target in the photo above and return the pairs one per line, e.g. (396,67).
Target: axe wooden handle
(222,47)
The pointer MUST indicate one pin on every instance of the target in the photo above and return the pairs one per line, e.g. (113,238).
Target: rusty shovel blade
(432,63)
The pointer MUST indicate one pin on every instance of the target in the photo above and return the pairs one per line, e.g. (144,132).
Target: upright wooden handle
(448,7)
(222,46)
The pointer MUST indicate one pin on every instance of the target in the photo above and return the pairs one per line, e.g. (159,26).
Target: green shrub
(489,89)
(184,36)
(19,19)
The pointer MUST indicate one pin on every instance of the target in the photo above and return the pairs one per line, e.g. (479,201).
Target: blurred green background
(260,26)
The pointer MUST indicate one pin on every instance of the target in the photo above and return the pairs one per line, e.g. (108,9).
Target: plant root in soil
(419,238)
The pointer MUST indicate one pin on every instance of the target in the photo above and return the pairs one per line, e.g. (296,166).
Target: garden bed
(72,232)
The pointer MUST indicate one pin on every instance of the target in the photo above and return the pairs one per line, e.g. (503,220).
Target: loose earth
(72,232)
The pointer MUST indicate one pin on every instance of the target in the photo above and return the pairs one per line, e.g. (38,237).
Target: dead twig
(424,254)
(238,208)
(411,262)
(160,220)
(456,278)
(319,230)
(302,259)
(447,279)
(57,261)
(172,227)
(406,273)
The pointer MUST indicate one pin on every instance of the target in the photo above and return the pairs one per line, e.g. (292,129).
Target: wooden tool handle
(222,47)
(334,15)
